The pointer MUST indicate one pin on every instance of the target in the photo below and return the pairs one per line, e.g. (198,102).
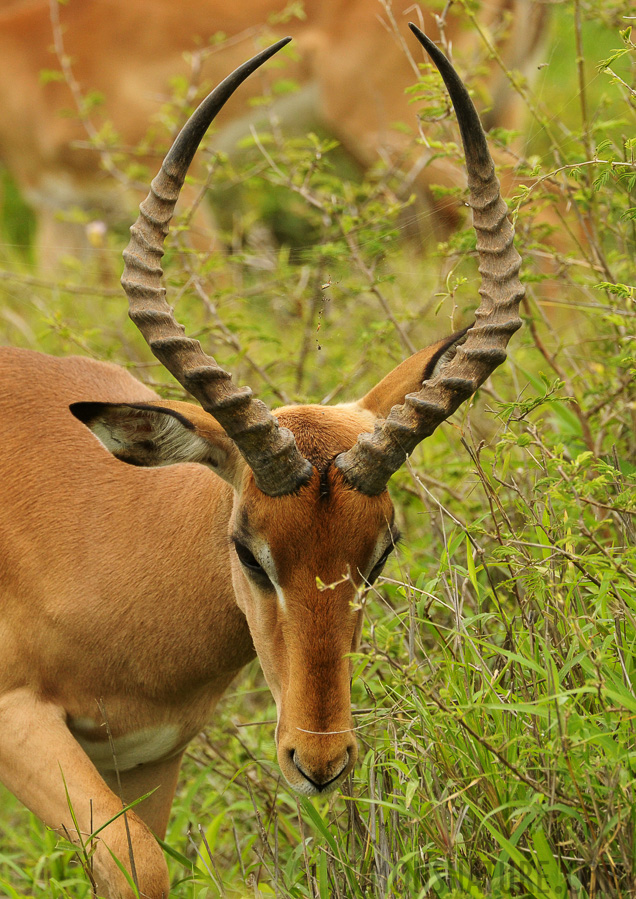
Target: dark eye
(246,558)
(376,571)
(250,564)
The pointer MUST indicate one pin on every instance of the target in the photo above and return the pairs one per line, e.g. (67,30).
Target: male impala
(46,149)
(127,610)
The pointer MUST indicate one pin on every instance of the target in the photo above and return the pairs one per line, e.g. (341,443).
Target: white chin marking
(304,788)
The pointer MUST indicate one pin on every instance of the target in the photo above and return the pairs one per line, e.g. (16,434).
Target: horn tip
(274,48)
(422,38)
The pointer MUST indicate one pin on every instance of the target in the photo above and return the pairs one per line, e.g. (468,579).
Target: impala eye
(376,571)
(246,558)
(249,562)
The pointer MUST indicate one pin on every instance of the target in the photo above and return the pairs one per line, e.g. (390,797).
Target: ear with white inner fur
(409,375)
(163,433)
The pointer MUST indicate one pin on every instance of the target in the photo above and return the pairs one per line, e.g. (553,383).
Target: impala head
(312,522)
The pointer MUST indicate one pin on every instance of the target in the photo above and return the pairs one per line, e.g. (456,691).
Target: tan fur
(353,67)
(82,575)
(138,610)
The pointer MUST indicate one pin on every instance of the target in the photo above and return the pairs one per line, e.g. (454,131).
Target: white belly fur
(138,748)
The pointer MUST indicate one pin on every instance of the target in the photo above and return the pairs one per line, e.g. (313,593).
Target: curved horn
(375,457)
(270,451)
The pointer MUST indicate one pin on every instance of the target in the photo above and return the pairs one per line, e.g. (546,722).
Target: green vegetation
(496,683)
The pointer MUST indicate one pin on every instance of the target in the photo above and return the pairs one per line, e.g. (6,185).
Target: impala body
(143,564)
(128,51)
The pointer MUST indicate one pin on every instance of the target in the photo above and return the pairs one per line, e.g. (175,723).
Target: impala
(133,593)
(48,152)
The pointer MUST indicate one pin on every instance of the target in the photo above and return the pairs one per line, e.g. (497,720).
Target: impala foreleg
(157,781)
(44,766)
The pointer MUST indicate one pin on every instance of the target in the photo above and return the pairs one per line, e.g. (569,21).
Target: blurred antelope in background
(144,586)
(129,51)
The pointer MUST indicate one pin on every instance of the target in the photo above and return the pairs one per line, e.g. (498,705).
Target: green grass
(496,685)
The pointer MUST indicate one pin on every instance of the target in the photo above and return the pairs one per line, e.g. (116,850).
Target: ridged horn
(270,451)
(369,464)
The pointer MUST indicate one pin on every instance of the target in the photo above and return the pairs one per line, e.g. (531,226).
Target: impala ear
(410,374)
(163,433)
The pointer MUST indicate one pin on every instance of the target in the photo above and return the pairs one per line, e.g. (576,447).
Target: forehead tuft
(323,432)
(317,517)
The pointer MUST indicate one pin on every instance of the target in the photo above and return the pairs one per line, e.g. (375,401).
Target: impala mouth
(311,787)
